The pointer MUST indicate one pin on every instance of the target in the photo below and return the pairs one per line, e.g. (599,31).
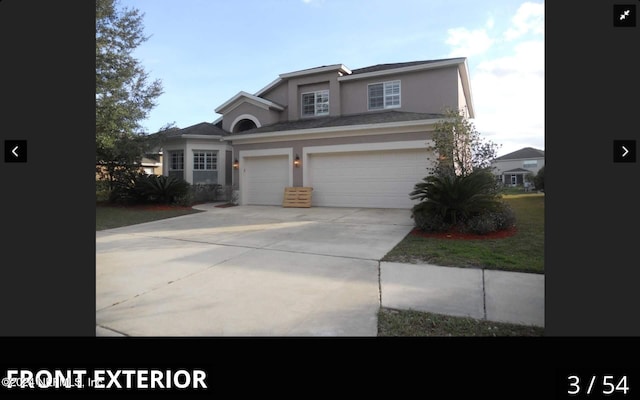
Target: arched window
(244,122)
(244,125)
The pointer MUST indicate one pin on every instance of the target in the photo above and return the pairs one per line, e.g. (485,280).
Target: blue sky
(206,51)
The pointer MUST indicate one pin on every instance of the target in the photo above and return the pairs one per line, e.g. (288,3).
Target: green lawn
(413,323)
(108,217)
(523,252)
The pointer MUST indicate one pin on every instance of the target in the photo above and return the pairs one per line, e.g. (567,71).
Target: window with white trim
(315,103)
(205,160)
(530,164)
(176,161)
(384,95)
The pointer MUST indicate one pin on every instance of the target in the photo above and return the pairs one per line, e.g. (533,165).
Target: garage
(375,179)
(264,179)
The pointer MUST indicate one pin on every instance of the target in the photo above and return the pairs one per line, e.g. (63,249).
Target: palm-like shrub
(160,188)
(449,201)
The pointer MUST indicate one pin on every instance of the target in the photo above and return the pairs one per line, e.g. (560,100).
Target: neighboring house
(149,164)
(152,164)
(511,169)
(358,137)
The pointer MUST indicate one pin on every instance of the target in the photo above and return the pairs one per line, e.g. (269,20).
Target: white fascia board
(336,131)
(466,86)
(214,137)
(329,68)
(242,97)
(392,71)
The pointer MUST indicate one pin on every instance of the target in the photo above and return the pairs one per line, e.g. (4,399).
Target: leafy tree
(124,95)
(459,147)
(538,180)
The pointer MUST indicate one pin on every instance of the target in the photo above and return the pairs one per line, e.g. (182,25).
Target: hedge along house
(358,137)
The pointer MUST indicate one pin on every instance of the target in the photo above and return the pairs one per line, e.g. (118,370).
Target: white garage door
(377,179)
(265,179)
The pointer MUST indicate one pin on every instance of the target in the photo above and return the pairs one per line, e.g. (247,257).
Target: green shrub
(161,189)
(490,221)
(185,200)
(102,191)
(538,180)
(427,220)
(123,187)
(456,197)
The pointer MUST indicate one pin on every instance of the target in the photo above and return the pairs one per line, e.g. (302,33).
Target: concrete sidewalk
(499,296)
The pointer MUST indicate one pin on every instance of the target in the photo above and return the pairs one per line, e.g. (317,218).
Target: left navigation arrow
(15,151)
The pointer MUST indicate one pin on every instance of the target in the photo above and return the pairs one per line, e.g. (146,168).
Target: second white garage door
(265,179)
(375,179)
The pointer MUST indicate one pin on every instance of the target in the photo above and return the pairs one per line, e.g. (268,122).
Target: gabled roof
(244,97)
(519,170)
(347,120)
(525,152)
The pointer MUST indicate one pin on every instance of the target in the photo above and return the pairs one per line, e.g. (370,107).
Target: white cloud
(508,89)
(528,19)
(467,43)
(509,97)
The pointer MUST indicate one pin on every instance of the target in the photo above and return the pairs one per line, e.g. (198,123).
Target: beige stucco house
(511,169)
(358,137)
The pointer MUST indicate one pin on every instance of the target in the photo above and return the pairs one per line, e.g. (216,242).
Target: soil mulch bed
(465,236)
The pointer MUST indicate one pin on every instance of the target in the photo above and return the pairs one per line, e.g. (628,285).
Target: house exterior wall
(328,80)
(188,146)
(266,117)
(420,91)
(279,95)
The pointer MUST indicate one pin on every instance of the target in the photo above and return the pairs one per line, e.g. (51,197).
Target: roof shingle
(526,152)
(382,67)
(347,120)
(203,128)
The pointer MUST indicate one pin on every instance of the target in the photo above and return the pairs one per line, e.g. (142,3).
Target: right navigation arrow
(624,151)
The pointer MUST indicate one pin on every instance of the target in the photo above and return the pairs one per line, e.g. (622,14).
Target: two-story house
(358,137)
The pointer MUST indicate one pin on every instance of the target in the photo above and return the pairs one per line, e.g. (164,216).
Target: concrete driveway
(246,271)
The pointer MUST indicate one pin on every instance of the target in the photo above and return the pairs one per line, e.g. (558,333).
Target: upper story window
(176,160)
(315,103)
(205,160)
(384,95)
(530,164)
